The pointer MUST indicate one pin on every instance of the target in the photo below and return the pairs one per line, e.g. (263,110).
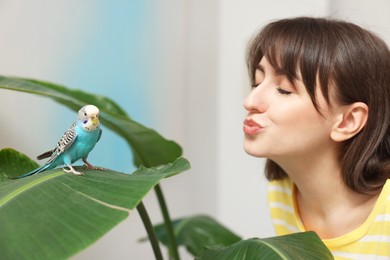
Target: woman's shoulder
(384,197)
(386,187)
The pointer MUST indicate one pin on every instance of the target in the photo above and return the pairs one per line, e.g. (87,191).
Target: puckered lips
(251,127)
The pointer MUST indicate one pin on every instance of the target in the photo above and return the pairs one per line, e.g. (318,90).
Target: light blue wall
(94,45)
(111,61)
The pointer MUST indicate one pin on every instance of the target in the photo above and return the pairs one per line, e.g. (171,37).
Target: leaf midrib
(28,186)
(275,249)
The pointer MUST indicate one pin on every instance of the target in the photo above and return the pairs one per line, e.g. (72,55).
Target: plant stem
(172,245)
(150,230)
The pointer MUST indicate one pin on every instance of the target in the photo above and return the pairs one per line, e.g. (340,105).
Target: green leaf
(149,148)
(306,245)
(53,215)
(197,232)
(12,163)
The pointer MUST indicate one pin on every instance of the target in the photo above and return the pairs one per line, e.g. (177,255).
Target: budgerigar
(75,144)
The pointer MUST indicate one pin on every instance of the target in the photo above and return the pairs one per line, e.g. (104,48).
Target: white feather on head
(88,111)
(89,115)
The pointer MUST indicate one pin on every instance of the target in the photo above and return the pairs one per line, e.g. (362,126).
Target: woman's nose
(254,102)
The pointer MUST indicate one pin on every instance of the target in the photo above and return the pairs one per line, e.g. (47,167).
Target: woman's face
(282,121)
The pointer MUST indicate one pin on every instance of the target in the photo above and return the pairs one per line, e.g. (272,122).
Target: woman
(319,112)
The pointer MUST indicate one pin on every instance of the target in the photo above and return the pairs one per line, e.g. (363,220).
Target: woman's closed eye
(283,91)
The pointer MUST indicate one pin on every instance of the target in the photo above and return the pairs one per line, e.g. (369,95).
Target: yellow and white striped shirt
(369,241)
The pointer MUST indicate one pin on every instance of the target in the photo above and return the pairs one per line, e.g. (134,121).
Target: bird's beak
(95,120)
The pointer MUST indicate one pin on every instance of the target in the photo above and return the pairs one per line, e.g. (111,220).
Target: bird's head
(89,117)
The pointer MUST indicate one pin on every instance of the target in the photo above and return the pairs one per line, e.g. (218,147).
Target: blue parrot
(76,143)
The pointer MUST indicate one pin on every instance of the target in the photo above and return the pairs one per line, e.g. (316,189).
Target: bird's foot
(72,170)
(91,167)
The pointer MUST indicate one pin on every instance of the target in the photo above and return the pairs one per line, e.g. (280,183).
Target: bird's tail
(37,170)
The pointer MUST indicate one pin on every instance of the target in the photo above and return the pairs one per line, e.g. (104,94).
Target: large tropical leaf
(149,147)
(13,164)
(306,245)
(208,239)
(197,232)
(53,215)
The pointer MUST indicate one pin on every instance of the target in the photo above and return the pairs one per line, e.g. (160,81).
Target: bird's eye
(85,114)
(85,121)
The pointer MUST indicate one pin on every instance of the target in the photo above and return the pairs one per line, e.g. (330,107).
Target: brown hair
(352,60)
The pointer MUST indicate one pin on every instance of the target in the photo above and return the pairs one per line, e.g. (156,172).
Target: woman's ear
(352,119)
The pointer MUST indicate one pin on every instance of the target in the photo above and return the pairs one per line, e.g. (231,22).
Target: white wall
(372,15)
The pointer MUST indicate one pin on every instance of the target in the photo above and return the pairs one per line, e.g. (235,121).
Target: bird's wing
(63,144)
(100,134)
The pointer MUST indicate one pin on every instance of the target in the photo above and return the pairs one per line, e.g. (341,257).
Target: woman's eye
(283,92)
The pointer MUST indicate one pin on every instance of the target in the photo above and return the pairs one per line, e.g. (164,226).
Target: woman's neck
(325,204)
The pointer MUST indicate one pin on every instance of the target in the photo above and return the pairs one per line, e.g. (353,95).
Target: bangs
(298,50)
